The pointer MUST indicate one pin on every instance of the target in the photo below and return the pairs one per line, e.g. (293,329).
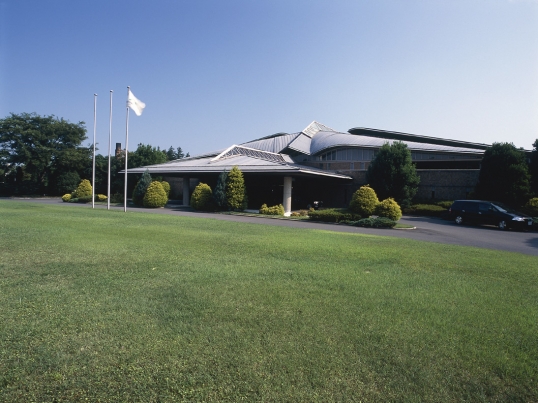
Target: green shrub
(166,187)
(141,188)
(445,204)
(116,198)
(67,181)
(66,197)
(389,208)
(219,195)
(300,213)
(378,222)
(100,197)
(155,196)
(202,197)
(73,200)
(333,215)
(84,189)
(429,210)
(531,207)
(84,199)
(275,210)
(236,193)
(364,201)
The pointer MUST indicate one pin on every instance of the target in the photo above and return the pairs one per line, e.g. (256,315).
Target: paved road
(427,229)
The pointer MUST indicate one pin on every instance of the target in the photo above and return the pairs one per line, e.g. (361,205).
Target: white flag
(135,104)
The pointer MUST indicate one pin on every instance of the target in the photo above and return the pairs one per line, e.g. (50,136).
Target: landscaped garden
(109,306)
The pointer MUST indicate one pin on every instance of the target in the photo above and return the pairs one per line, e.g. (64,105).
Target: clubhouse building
(322,164)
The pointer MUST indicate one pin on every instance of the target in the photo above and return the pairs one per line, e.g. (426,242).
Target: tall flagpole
(109,149)
(126,152)
(93,166)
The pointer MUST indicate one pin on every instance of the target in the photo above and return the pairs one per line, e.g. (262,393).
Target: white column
(286,202)
(186,191)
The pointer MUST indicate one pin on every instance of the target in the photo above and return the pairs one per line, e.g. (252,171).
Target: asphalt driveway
(426,229)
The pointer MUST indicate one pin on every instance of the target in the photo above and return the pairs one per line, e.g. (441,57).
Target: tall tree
(146,155)
(504,175)
(533,169)
(393,174)
(39,148)
(174,154)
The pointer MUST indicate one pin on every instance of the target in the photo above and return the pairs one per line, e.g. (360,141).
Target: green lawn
(108,306)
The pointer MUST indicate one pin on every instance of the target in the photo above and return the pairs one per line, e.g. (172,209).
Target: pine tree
(140,188)
(220,191)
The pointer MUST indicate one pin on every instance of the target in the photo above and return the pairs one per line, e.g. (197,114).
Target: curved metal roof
(326,140)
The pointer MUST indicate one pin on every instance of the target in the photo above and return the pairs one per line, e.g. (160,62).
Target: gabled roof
(249,160)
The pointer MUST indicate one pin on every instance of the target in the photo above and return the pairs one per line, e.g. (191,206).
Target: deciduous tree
(504,175)
(393,174)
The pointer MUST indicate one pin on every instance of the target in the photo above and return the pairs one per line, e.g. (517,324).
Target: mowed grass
(105,306)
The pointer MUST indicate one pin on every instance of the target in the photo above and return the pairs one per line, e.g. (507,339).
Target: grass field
(104,306)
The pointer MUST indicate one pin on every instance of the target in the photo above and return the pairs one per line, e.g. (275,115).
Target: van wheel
(458,220)
(502,225)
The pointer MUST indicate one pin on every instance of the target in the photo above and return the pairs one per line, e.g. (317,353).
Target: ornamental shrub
(364,201)
(236,193)
(100,197)
(141,188)
(389,208)
(155,196)
(83,199)
(333,215)
(66,197)
(429,210)
(202,197)
(531,207)
(378,222)
(275,210)
(166,187)
(84,189)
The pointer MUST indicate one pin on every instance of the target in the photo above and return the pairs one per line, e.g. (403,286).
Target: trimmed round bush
(66,197)
(364,201)
(202,196)
(166,187)
(390,209)
(275,210)
(84,189)
(155,196)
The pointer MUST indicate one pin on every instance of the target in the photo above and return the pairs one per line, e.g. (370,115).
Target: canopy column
(186,191)
(286,202)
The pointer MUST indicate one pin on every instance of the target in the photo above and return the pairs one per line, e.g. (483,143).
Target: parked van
(488,213)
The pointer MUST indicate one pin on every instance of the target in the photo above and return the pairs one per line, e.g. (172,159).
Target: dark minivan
(489,213)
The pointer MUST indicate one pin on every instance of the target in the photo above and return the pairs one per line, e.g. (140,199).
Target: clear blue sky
(215,73)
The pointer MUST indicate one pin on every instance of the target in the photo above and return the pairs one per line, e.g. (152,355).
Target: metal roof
(386,134)
(326,140)
(274,144)
(247,164)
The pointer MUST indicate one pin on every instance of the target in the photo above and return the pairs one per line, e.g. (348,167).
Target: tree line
(45,155)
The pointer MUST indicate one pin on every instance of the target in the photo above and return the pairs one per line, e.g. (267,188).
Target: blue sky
(219,72)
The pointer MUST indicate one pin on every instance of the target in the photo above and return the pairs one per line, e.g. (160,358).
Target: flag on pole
(135,104)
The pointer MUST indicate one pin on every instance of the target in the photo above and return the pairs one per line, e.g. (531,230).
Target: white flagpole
(109,149)
(93,166)
(126,152)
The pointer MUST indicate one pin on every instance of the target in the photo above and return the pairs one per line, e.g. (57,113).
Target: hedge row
(333,215)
